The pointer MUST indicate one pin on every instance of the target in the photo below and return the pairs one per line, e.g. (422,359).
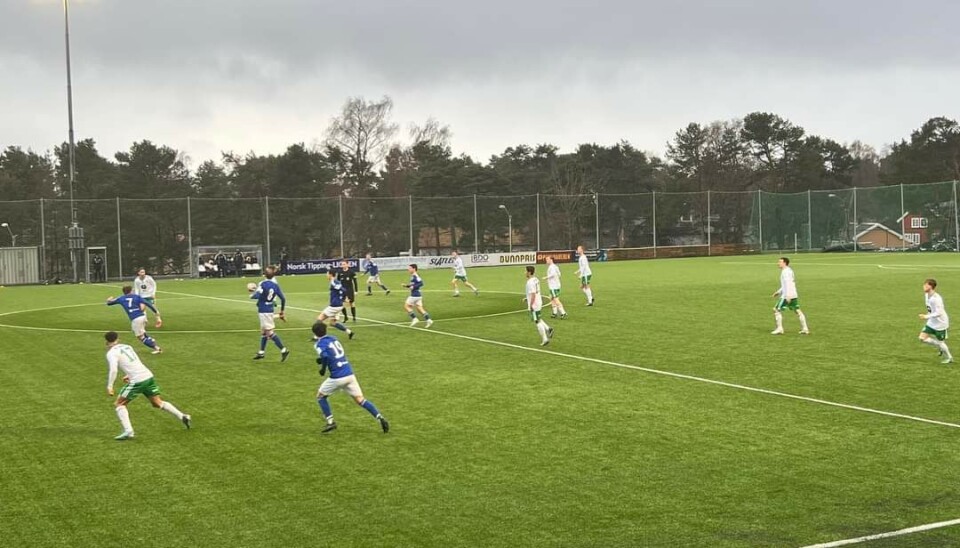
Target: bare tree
(431,133)
(362,134)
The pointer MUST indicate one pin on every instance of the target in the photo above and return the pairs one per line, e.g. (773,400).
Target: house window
(912,237)
(918,222)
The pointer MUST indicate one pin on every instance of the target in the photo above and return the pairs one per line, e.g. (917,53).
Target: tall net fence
(161,234)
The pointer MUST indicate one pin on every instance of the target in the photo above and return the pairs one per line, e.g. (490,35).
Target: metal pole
(510,230)
(855,246)
(266,216)
(119,245)
(654,198)
(340,207)
(538,221)
(476,235)
(410,214)
(193,262)
(760,216)
(709,236)
(809,223)
(596,201)
(903,222)
(956,220)
(74,253)
(43,243)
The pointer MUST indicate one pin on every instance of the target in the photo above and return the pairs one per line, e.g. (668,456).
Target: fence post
(410,214)
(903,221)
(340,209)
(266,223)
(654,224)
(119,245)
(193,262)
(956,221)
(760,216)
(709,236)
(538,218)
(43,243)
(855,246)
(596,201)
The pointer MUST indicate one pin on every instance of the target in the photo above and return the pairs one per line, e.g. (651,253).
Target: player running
(372,271)
(332,312)
(535,305)
(460,275)
(788,298)
(934,331)
(585,274)
(332,357)
(145,286)
(415,300)
(138,380)
(553,284)
(265,294)
(135,306)
(348,279)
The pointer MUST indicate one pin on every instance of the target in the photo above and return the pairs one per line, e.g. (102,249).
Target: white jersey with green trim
(146,287)
(124,357)
(937,318)
(533,288)
(584,265)
(553,276)
(458,268)
(788,284)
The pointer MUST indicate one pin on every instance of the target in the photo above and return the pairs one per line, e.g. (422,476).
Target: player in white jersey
(585,274)
(145,286)
(460,275)
(934,331)
(138,380)
(535,305)
(787,298)
(553,285)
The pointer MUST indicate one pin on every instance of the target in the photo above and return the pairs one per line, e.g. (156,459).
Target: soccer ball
(251,287)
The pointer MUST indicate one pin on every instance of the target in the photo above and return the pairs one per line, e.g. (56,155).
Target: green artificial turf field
(495,441)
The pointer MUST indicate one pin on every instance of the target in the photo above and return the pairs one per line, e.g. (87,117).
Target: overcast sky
(205,76)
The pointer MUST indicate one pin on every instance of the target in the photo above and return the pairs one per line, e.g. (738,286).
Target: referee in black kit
(348,278)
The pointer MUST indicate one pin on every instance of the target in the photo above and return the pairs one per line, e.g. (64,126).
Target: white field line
(654,371)
(878,536)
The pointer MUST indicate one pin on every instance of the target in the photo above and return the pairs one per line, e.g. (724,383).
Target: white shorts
(139,326)
(414,301)
(348,384)
(332,311)
(373,279)
(266,321)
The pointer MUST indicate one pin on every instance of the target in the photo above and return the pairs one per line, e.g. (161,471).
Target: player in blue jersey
(415,300)
(372,271)
(332,312)
(135,306)
(265,294)
(333,358)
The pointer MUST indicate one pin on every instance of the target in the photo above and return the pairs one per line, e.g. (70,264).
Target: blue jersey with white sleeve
(371,269)
(336,293)
(267,292)
(415,284)
(333,357)
(131,305)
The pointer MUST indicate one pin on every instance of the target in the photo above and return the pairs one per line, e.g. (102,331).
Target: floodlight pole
(509,228)
(76,235)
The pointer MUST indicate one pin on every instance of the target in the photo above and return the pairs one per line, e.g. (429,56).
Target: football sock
(325,409)
(383,287)
(124,417)
(372,409)
(946,351)
(412,315)
(340,326)
(931,341)
(426,315)
(562,311)
(589,293)
(172,409)
(148,340)
(263,344)
(803,320)
(554,308)
(779,317)
(276,341)
(353,312)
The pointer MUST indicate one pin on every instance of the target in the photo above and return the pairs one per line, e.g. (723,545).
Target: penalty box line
(878,536)
(661,372)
